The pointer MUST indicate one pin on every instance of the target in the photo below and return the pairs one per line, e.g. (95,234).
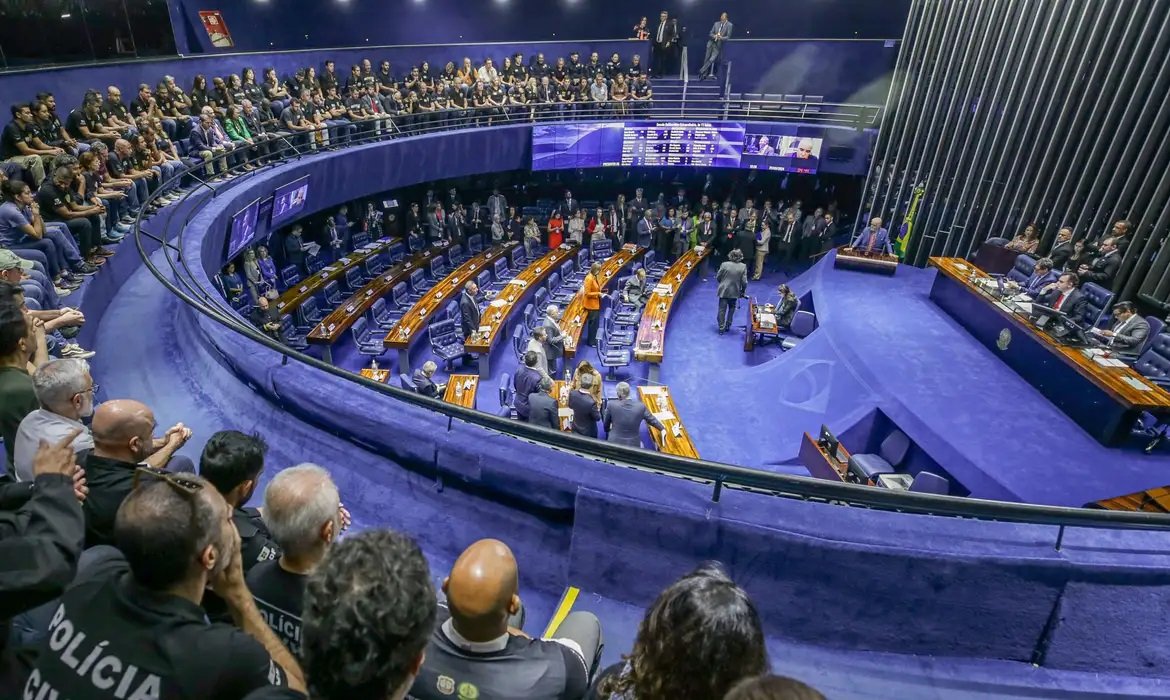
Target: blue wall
(284,24)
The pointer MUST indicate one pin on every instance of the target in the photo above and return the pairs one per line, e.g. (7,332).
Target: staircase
(678,98)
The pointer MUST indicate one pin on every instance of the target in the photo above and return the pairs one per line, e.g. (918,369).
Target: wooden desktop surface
(496,317)
(749,340)
(466,397)
(561,394)
(820,463)
(573,319)
(652,329)
(340,319)
(378,375)
(296,295)
(665,439)
(1111,380)
(415,321)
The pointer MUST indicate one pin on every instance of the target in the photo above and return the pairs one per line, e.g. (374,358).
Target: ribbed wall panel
(1014,111)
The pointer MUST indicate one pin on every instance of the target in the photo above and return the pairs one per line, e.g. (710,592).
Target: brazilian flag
(902,243)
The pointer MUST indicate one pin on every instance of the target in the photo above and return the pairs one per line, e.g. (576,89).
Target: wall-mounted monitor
(243,230)
(289,200)
(636,144)
(782,148)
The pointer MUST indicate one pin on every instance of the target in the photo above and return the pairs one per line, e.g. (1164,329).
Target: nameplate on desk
(349,309)
(280,305)
(519,282)
(304,289)
(485,329)
(332,326)
(438,295)
(407,266)
(325,273)
(369,292)
(663,289)
(344,261)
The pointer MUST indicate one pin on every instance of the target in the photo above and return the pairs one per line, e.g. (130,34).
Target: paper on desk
(565,412)
(485,329)
(1137,384)
(652,390)
(664,416)
(519,282)
(497,302)
(1108,361)
(663,289)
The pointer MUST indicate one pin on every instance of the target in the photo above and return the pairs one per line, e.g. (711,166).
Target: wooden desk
(650,344)
(1104,401)
(754,328)
(657,399)
(378,375)
(294,296)
(851,259)
(340,319)
(573,319)
(495,318)
(820,463)
(414,322)
(561,393)
(461,389)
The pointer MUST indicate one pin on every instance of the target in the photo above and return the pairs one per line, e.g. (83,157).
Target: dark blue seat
(1154,363)
(475,243)
(383,316)
(289,275)
(416,243)
(890,454)
(399,298)
(484,280)
(653,267)
(439,268)
(456,254)
(1022,268)
(452,312)
(600,250)
(315,263)
(445,341)
(359,239)
(332,294)
(405,383)
(803,323)
(501,273)
(929,482)
(516,258)
(1097,302)
(618,335)
(289,334)
(1156,328)
(308,315)
(623,314)
(419,284)
(368,340)
(506,390)
(519,343)
(531,318)
(611,355)
(376,265)
(353,279)
(540,301)
(396,252)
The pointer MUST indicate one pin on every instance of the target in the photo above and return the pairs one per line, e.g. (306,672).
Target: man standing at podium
(720,32)
(873,238)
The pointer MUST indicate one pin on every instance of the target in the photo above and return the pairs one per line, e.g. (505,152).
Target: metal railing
(719,476)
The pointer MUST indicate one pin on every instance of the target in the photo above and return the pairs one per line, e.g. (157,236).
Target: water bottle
(374,364)
(458,390)
(567,376)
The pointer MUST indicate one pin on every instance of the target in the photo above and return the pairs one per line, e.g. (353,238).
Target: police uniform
(280,598)
(256,543)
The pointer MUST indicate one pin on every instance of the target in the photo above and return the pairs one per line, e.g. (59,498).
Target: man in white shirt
(487,73)
(65,391)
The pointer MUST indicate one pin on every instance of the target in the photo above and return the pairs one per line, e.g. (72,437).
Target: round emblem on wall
(1004,340)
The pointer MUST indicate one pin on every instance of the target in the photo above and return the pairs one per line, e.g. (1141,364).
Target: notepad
(485,329)
(1137,384)
(497,303)
(1108,361)
(664,416)
(521,283)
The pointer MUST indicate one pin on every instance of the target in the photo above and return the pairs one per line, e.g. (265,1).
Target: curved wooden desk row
(573,318)
(415,321)
(650,343)
(461,388)
(657,399)
(500,310)
(340,319)
(293,297)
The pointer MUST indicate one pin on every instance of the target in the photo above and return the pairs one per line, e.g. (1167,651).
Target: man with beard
(232,462)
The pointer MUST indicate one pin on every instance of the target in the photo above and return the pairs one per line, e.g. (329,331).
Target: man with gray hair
(423,382)
(624,416)
(554,342)
(302,509)
(542,407)
(64,389)
(537,344)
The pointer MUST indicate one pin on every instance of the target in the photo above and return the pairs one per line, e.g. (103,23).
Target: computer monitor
(289,200)
(1058,324)
(243,230)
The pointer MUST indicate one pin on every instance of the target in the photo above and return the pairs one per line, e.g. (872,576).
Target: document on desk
(1108,361)
(664,416)
(565,412)
(1137,384)
(656,390)
(664,289)
(485,329)
(518,282)
(498,302)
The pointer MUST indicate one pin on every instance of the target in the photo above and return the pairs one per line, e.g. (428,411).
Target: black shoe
(86,269)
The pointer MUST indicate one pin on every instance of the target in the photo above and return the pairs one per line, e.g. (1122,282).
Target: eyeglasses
(185,486)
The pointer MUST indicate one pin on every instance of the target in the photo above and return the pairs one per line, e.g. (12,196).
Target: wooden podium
(864,261)
(1155,500)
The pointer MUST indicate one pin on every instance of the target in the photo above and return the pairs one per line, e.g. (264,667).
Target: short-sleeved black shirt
(497,95)
(13,135)
(118,110)
(280,597)
(75,121)
(111,638)
(50,197)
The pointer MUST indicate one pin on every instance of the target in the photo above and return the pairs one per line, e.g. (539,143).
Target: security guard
(233,462)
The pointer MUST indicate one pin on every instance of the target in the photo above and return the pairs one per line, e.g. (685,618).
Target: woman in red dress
(556,230)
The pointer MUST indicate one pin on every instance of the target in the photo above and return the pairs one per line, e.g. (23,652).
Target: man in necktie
(1063,295)
(873,238)
(660,49)
(720,32)
(1129,332)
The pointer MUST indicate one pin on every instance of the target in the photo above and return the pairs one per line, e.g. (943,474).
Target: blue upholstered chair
(519,343)
(289,276)
(308,315)
(396,252)
(610,355)
(416,243)
(315,263)
(484,281)
(1154,363)
(506,391)
(1156,328)
(383,316)
(516,259)
(1022,268)
(600,250)
(359,239)
(1097,302)
(456,254)
(353,279)
(475,243)
(399,298)
(928,482)
(405,383)
(616,334)
(289,334)
(570,275)
(803,323)
(540,301)
(445,341)
(419,284)
(368,340)
(623,314)
(653,266)
(531,318)
(332,294)
(501,273)
(439,267)
(376,265)
(451,311)
(890,454)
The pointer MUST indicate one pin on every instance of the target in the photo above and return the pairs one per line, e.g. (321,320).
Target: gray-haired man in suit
(554,342)
(624,416)
(732,279)
(720,32)
(542,407)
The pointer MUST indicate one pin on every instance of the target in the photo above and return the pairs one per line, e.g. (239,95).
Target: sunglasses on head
(186,486)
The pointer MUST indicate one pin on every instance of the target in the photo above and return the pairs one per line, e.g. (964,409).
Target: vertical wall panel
(1013,111)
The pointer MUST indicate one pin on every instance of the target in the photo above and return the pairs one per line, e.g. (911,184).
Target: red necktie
(1060,301)
(872,239)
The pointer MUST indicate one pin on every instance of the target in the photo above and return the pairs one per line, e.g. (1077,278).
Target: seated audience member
(1027,241)
(772,688)
(536,344)
(699,638)
(18,396)
(525,381)
(136,619)
(232,462)
(1062,248)
(303,510)
(586,410)
(473,646)
(57,202)
(634,292)
(64,389)
(12,294)
(1128,332)
(423,382)
(786,306)
(22,229)
(1063,295)
(623,418)
(872,238)
(1042,276)
(210,146)
(122,441)
(19,144)
(1104,267)
(542,407)
(584,368)
(266,317)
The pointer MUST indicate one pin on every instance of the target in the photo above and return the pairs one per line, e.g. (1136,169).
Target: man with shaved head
(123,438)
(474,653)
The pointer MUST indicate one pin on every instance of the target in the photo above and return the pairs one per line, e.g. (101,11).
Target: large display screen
(243,230)
(781,147)
(289,200)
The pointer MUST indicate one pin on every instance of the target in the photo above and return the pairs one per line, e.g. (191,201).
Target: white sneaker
(75,351)
(62,292)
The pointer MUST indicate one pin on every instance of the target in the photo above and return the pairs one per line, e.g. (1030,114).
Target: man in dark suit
(1062,248)
(568,206)
(1128,333)
(542,407)
(423,383)
(455,225)
(1063,295)
(634,291)
(661,42)
(624,416)
(586,412)
(526,381)
(1042,276)
(720,32)
(645,228)
(733,282)
(1103,268)
(469,310)
(554,338)
(436,223)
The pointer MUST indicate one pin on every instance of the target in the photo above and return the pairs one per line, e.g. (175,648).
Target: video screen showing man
(806,151)
(781,153)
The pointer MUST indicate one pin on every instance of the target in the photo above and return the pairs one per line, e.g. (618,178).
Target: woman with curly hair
(700,638)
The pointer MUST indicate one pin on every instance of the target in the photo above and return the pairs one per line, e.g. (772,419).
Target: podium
(864,261)
(1155,500)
